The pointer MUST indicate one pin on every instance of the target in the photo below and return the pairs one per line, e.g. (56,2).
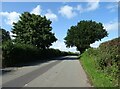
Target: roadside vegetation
(0,39)
(102,64)
(32,38)
(14,54)
(30,41)
(84,33)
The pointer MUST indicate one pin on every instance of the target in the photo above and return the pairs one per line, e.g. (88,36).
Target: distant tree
(35,30)
(84,34)
(4,35)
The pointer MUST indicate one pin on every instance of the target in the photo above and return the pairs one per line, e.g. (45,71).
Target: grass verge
(97,77)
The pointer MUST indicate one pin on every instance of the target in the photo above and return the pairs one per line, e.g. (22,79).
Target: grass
(97,77)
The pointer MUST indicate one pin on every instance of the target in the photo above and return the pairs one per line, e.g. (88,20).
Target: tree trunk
(81,49)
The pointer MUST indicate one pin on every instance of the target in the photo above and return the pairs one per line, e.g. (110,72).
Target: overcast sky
(63,15)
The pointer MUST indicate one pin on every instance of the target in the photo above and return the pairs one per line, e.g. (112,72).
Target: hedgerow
(107,57)
(14,54)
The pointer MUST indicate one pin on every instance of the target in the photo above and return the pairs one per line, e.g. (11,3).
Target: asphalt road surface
(62,72)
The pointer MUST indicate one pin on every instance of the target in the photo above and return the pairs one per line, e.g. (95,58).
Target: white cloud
(37,10)
(96,44)
(112,26)
(67,11)
(79,8)
(51,16)
(12,35)
(92,5)
(10,17)
(70,11)
(61,45)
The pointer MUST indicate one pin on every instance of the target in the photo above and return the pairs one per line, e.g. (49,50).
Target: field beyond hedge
(102,64)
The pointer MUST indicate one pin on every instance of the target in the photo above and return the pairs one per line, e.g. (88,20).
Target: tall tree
(34,29)
(84,34)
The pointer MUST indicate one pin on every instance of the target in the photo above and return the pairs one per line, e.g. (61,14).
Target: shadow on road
(37,62)
(70,58)
(33,63)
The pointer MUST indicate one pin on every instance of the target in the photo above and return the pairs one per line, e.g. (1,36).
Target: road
(62,72)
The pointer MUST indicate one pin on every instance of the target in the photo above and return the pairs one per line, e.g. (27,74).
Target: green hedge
(14,54)
(106,58)
(17,53)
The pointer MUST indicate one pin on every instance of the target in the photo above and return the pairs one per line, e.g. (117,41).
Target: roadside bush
(48,53)
(98,78)
(109,61)
(107,57)
(7,48)
(14,54)
(18,53)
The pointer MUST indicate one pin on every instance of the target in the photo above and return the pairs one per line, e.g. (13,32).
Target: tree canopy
(84,34)
(4,35)
(34,29)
